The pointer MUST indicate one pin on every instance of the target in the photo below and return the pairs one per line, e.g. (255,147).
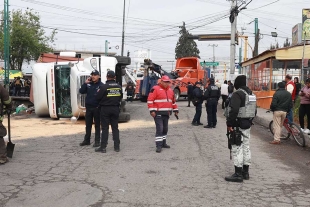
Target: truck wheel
(124,117)
(143,99)
(176,94)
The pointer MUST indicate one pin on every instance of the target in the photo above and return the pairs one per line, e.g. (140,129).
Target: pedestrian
(161,102)
(110,96)
(242,110)
(5,101)
(130,89)
(224,93)
(212,95)
(298,87)
(230,88)
(197,99)
(290,87)
(190,89)
(304,108)
(281,104)
(27,86)
(90,88)
(18,86)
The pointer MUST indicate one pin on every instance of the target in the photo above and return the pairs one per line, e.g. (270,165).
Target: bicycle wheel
(284,133)
(298,134)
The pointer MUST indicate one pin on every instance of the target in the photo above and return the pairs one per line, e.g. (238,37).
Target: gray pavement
(56,171)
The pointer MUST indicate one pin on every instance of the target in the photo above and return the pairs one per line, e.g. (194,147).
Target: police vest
(249,108)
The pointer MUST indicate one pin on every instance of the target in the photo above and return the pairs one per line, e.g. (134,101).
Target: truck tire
(123,117)
(123,60)
(176,94)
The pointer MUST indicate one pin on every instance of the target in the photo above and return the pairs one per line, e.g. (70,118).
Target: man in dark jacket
(130,89)
(190,89)
(281,104)
(239,122)
(212,95)
(198,99)
(90,87)
(110,96)
(230,88)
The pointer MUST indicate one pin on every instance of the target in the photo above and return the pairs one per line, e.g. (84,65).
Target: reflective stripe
(8,101)
(164,109)
(164,137)
(150,102)
(161,100)
(152,109)
(159,139)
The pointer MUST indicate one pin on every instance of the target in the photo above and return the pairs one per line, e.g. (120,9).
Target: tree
(186,47)
(286,43)
(273,47)
(27,38)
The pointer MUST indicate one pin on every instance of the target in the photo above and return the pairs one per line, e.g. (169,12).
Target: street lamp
(171,61)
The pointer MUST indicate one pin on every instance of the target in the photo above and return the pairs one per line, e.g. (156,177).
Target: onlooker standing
(298,87)
(224,93)
(110,96)
(130,89)
(290,87)
(304,108)
(281,104)
(27,84)
(198,100)
(161,102)
(90,87)
(190,89)
(230,88)
(18,86)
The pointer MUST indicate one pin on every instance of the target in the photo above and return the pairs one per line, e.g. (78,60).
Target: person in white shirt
(224,93)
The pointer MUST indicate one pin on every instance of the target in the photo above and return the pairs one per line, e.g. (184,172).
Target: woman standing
(304,108)
(298,87)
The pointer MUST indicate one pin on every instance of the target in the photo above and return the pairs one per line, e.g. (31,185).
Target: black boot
(158,149)
(101,149)
(96,144)
(165,144)
(85,143)
(194,123)
(199,123)
(236,177)
(245,172)
(159,146)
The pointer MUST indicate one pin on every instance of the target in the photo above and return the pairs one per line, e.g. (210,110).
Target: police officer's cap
(95,72)
(110,74)
(198,83)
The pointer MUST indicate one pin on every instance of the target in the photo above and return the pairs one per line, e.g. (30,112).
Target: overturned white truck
(56,85)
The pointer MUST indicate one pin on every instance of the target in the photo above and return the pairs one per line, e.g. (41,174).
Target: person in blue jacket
(90,88)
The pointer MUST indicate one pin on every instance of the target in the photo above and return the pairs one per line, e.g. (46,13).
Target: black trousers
(304,109)
(198,113)
(224,98)
(27,90)
(189,99)
(129,96)
(17,90)
(92,115)
(109,115)
(211,111)
(161,122)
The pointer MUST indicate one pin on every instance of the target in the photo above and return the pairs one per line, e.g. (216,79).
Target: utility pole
(256,38)
(213,59)
(123,33)
(233,20)
(303,58)
(106,48)
(6,45)
(171,61)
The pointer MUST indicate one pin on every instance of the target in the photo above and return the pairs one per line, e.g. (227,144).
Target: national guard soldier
(5,101)
(212,95)
(161,102)
(27,85)
(110,96)
(239,116)
(197,99)
(90,87)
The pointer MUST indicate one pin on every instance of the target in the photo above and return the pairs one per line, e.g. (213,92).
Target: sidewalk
(263,118)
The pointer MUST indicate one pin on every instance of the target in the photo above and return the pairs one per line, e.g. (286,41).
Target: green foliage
(286,43)
(276,46)
(27,38)
(186,47)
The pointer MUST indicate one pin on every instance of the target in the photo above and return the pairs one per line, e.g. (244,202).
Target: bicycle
(290,129)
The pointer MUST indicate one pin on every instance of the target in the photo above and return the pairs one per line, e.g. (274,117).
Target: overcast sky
(154,24)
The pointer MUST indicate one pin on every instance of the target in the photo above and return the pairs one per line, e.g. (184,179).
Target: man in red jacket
(161,102)
(290,87)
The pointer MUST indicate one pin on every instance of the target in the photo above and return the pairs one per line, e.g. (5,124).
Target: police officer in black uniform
(212,95)
(90,87)
(110,96)
(197,101)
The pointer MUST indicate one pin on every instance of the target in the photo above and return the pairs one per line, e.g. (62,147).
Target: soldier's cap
(197,82)
(95,72)
(111,74)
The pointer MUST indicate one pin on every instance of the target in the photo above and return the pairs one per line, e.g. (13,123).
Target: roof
(287,53)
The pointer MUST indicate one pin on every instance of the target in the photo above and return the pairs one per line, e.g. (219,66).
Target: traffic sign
(204,64)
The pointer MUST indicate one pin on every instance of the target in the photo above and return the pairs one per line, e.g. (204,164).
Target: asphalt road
(56,171)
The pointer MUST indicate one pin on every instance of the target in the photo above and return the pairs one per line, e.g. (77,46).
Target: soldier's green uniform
(5,100)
